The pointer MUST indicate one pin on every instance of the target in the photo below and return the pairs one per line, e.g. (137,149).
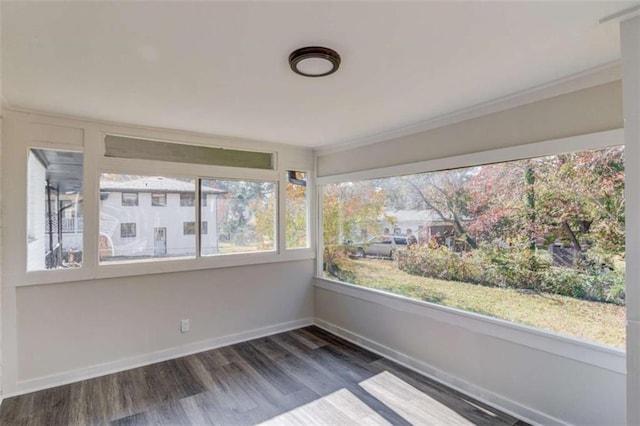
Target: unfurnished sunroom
(320,212)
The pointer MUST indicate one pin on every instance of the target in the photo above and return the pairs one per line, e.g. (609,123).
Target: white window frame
(28,131)
(197,172)
(570,347)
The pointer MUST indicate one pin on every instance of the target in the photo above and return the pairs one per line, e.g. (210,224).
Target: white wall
(73,327)
(535,384)
(589,110)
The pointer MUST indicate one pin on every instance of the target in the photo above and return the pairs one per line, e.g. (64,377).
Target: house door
(160,241)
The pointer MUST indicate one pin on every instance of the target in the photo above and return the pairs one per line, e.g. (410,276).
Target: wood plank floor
(305,376)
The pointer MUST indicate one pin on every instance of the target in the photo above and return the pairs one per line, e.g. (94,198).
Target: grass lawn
(595,321)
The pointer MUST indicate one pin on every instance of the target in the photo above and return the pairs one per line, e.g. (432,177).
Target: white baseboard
(46,382)
(492,399)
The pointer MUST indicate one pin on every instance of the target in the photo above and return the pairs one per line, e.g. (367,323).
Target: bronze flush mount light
(314,61)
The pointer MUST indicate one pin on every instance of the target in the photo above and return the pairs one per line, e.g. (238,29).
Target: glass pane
(54,218)
(296,209)
(539,241)
(159,200)
(240,216)
(133,228)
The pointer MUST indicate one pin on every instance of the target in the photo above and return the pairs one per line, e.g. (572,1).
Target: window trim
(537,149)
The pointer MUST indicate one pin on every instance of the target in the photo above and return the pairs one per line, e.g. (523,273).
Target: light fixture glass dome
(314,61)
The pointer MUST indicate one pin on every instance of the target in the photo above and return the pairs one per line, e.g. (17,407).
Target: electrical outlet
(184,325)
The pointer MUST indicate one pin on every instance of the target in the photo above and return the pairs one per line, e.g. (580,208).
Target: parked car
(386,246)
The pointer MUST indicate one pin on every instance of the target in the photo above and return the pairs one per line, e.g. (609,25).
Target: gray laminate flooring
(304,376)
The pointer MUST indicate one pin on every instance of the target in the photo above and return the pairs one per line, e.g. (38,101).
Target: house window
(296,210)
(54,220)
(187,199)
(158,234)
(189,228)
(129,199)
(159,200)
(244,214)
(538,241)
(127,230)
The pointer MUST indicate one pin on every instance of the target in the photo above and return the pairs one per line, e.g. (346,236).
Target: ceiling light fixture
(314,61)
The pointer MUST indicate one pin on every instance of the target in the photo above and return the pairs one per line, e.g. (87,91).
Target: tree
(349,211)
(296,213)
(446,194)
(247,211)
(581,199)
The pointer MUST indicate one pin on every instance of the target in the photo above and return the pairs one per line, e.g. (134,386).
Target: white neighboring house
(154,217)
(424,224)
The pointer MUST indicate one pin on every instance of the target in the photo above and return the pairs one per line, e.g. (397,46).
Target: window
(127,230)
(129,198)
(189,228)
(54,217)
(187,199)
(242,215)
(296,210)
(159,232)
(159,200)
(539,241)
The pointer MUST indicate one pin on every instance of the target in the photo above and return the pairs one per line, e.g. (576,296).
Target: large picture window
(538,241)
(241,216)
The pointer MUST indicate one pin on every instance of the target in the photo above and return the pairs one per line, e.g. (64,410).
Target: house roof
(153,184)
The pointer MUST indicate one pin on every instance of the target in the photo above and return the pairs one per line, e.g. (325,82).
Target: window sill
(127,269)
(592,353)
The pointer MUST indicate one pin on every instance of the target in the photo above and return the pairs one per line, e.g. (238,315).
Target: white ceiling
(221,68)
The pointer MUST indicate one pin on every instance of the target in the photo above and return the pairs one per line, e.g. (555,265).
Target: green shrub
(519,267)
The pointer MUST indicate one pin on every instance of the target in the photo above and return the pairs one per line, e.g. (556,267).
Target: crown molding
(622,15)
(602,74)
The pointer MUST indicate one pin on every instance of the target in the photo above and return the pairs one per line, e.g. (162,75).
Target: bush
(520,268)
